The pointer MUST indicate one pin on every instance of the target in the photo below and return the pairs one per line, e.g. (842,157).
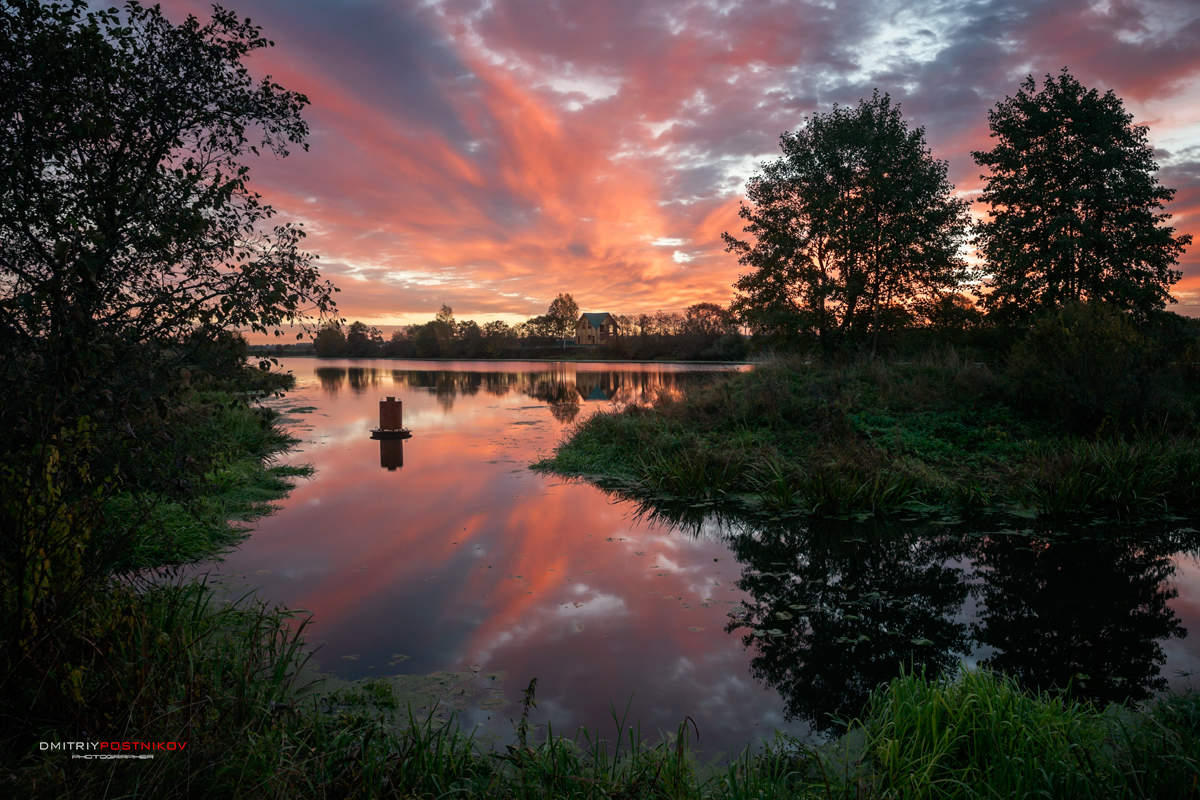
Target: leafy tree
(399,345)
(445,316)
(667,323)
(330,342)
(1076,210)
(497,329)
(471,337)
(562,315)
(707,319)
(126,213)
(363,340)
(539,326)
(855,219)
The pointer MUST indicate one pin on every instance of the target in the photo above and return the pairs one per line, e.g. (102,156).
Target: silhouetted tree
(363,340)
(707,319)
(470,338)
(562,315)
(1076,210)
(855,218)
(126,214)
(330,342)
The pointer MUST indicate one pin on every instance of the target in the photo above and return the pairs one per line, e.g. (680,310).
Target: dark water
(444,560)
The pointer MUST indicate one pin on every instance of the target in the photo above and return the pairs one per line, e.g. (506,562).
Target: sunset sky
(489,154)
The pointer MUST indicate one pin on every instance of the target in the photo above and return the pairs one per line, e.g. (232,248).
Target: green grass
(239,444)
(231,680)
(875,437)
(982,736)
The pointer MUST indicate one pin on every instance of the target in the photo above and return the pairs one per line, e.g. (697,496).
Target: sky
(489,154)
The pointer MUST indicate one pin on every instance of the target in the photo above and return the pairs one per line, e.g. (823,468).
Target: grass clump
(980,735)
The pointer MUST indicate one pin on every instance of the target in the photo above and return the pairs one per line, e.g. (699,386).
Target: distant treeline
(704,331)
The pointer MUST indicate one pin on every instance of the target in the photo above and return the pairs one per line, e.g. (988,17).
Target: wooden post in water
(391,414)
(391,426)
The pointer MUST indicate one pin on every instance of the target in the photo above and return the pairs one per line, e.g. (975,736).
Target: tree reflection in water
(561,388)
(1084,609)
(835,609)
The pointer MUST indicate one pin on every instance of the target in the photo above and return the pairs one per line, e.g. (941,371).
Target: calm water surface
(445,560)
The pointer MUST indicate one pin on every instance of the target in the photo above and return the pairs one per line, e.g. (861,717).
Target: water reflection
(469,562)
(391,454)
(835,609)
(1085,609)
(562,387)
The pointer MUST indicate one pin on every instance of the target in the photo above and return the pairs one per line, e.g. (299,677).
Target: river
(443,563)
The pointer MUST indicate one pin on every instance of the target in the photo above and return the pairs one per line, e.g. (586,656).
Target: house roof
(596,319)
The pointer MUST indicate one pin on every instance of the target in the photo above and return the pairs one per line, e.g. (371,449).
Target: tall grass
(230,680)
(1115,475)
(980,735)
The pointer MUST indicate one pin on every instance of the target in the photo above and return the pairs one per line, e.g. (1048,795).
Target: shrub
(1080,366)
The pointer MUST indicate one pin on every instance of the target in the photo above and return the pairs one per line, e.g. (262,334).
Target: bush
(1081,366)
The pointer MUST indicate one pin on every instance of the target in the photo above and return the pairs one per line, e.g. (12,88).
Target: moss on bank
(938,434)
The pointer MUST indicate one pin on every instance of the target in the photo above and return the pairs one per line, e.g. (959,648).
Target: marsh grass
(939,434)
(980,735)
(231,680)
(1128,476)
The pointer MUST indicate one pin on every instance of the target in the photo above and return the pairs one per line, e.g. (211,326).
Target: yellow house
(595,328)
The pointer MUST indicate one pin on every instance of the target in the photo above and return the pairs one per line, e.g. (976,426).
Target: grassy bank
(255,730)
(95,650)
(233,479)
(936,434)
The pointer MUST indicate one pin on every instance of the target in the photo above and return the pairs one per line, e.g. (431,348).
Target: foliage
(562,314)
(850,227)
(330,342)
(1076,210)
(1081,365)
(363,340)
(708,319)
(126,214)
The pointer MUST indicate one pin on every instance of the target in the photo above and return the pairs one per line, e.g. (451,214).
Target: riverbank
(938,435)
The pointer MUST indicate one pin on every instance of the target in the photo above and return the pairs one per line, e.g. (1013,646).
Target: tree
(470,336)
(707,319)
(1076,210)
(445,316)
(539,326)
(363,340)
(855,219)
(562,316)
(497,329)
(330,342)
(127,221)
